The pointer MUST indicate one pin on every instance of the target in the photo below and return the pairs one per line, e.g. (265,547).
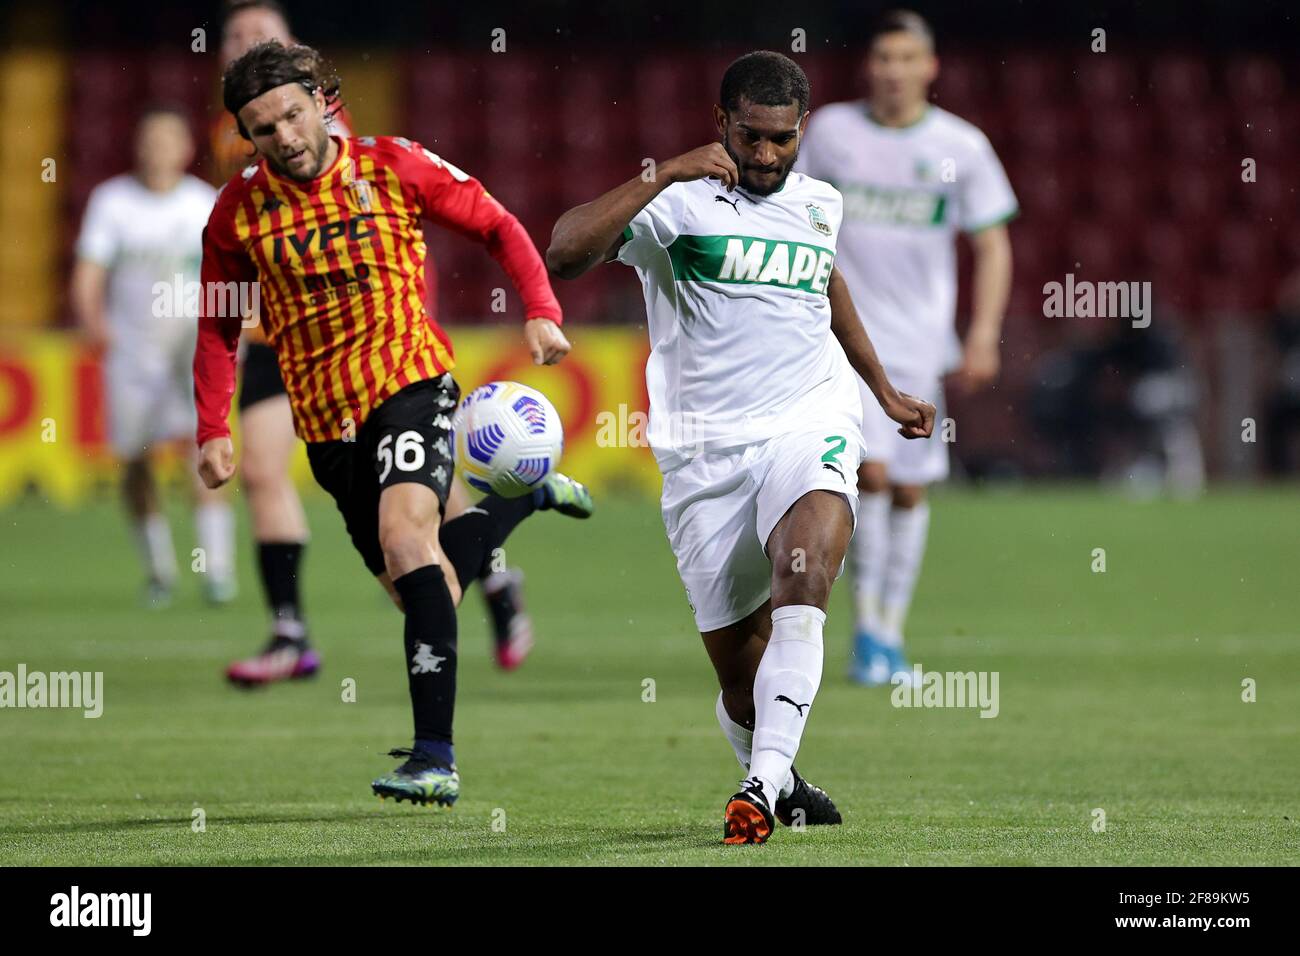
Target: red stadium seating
(1254,80)
(1128,160)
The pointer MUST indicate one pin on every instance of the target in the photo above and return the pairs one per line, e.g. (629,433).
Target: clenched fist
(709,161)
(915,415)
(217,462)
(546,343)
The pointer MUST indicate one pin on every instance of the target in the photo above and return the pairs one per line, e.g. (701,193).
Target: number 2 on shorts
(833,454)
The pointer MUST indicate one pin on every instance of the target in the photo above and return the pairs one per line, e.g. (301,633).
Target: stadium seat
(1166,246)
(1272,196)
(1196,193)
(1095,250)
(1035,245)
(1118,131)
(1176,287)
(1254,80)
(1265,130)
(1199,132)
(1031,78)
(1120,192)
(1220,293)
(1105,78)
(1039,131)
(1048,192)
(1179,81)
(1243,248)
(963,79)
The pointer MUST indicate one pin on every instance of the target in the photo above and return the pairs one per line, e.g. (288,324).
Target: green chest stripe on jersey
(897,207)
(791,265)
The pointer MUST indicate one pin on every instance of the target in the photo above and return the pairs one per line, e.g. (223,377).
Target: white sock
(153,537)
(870,549)
(742,743)
(215,526)
(908,530)
(791,668)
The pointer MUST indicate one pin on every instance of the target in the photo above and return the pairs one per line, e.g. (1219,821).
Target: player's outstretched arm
(214,385)
(915,415)
(225,263)
(589,234)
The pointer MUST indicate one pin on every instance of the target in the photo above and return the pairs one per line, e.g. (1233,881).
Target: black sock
(430,634)
(469,539)
(278,562)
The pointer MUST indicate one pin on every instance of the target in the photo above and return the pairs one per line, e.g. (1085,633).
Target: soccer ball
(508,438)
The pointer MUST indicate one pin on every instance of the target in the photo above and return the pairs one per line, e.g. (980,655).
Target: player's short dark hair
(901,21)
(273,64)
(765,79)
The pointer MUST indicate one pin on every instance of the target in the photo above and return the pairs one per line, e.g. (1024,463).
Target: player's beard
(318,151)
(748,184)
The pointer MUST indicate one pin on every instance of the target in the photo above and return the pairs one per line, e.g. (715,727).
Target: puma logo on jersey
(798,707)
(827,464)
(733,203)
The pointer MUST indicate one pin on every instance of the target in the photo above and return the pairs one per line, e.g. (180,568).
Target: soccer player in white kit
(912,176)
(755,418)
(137,261)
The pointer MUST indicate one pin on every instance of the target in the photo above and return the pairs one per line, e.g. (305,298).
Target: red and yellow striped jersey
(229,152)
(338,264)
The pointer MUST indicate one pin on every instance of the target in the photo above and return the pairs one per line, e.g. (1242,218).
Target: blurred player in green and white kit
(755,419)
(912,176)
(141,234)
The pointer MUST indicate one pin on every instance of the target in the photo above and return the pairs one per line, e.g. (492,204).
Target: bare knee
(802,576)
(260,474)
(873,477)
(408,545)
(908,496)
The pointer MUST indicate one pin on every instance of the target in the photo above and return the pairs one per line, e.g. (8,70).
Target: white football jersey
(738,314)
(143,238)
(907,191)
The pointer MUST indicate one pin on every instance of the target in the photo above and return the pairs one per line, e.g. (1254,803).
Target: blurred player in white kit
(912,176)
(141,239)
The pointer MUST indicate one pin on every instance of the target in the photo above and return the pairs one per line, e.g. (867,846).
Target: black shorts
(261,376)
(406,439)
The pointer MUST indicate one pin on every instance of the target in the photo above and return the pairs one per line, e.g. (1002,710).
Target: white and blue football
(508,438)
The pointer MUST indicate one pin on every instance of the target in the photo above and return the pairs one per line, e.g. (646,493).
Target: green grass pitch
(1119,691)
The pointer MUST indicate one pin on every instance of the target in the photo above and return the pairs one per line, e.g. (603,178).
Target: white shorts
(149,387)
(720,508)
(909,461)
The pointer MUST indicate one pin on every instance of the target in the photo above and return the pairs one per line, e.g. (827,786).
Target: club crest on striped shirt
(361,193)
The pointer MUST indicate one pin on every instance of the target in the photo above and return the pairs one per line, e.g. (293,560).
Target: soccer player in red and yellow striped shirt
(323,236)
